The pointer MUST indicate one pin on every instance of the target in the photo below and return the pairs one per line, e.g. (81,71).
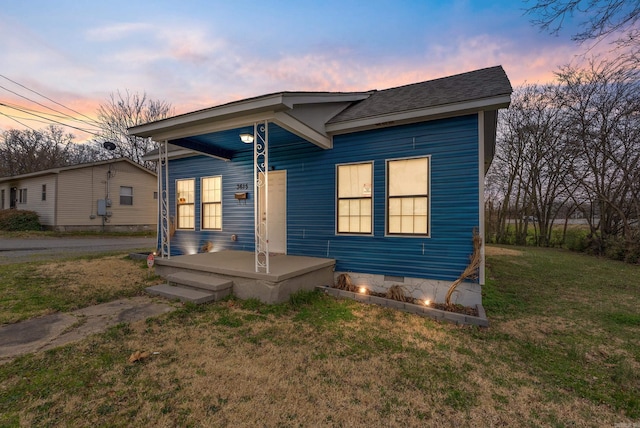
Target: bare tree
(603,108)
(123,111)
(25,151)
(614,20)
(532,161)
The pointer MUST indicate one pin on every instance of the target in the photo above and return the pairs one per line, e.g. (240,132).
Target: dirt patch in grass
(111,274)
(29,290)
(491,251)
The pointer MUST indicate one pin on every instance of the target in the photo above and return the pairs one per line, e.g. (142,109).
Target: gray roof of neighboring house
(60,169)
(474,85)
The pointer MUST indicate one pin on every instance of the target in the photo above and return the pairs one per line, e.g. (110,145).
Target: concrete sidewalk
(51,331)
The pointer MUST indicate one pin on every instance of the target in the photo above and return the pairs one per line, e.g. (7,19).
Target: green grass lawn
(563,350)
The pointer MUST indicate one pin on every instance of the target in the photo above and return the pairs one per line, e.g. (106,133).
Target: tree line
(30,150)
(567,151)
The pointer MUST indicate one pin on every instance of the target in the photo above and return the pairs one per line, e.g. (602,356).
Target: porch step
(201,282)
(181,293)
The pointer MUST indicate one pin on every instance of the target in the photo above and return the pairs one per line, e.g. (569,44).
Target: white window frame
(216,203)
(185,203)
(126,196)
(22,196)
(388,198)
(352,198)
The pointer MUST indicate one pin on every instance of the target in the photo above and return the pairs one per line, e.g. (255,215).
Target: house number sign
(242,186)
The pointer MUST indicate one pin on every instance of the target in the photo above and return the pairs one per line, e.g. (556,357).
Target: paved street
(14,250)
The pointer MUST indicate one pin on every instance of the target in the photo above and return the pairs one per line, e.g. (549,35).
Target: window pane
(420,206)
(211,216)
(407,203)
(365,224)
(408,177)
(185,216)
(406,224)
(212,189)
(420,224)
(185,189)
(126,195)
(354,181)
(394,207)
(407,206)
(354,190)
(343,224)
(394,224)
(354,207)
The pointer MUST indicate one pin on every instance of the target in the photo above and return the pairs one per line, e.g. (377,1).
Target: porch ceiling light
(246,138)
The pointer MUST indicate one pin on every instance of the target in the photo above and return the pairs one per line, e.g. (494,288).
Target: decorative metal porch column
(163,200)
(260,192)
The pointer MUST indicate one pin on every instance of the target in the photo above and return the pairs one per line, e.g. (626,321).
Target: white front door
(277,212)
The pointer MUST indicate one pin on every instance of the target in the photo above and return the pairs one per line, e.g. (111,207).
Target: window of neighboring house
(354,191)
(185,191)
(2,199)
(155,195)
(212,202)
(22,196)
(126,195)
(408,196)
(44,192)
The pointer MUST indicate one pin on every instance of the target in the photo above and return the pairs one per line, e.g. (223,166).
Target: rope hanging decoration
(472,270)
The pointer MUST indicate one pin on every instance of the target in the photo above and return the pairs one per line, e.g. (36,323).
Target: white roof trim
(300,129)
(429,113)
(190,130)
(237,112)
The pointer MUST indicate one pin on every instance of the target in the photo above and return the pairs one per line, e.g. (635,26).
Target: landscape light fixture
(246,138)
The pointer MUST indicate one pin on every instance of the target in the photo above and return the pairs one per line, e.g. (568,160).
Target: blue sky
(196,54)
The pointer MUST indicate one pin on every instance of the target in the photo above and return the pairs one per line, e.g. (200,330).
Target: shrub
(576,240)
(18,220)
(615,248)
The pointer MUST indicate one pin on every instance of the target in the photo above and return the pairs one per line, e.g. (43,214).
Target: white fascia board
(174,154)
(411,116)
(233,110)
(291,99)
(212,126)
(300,129)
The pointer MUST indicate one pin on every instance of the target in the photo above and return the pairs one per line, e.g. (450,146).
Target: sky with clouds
(196,54)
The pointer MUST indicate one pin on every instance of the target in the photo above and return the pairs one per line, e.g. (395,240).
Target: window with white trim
(408,196)
(44,192)
(126,195)
(354,193)
(22,198)
(212,202)
(185,194)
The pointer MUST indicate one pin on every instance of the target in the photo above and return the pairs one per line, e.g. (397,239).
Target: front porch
(212,276)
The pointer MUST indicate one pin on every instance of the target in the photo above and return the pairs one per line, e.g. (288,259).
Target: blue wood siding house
(388,183)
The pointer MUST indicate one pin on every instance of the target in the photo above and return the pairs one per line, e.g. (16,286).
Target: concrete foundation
(466,294)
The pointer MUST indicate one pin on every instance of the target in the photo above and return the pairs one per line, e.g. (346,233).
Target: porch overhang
(303,114)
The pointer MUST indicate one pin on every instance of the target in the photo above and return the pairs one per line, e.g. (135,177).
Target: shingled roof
(319,116)
(460,88)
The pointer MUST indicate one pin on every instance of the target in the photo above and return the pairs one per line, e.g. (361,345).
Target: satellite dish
(109,145)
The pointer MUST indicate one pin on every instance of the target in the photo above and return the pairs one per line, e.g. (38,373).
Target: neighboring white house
(109,195)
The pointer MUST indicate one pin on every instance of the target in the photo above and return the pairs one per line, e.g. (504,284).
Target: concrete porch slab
(287,274)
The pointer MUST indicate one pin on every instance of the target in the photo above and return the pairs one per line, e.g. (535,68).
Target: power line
(16,120)
(63,116)
(47,107)
(44,96)
(51,120)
